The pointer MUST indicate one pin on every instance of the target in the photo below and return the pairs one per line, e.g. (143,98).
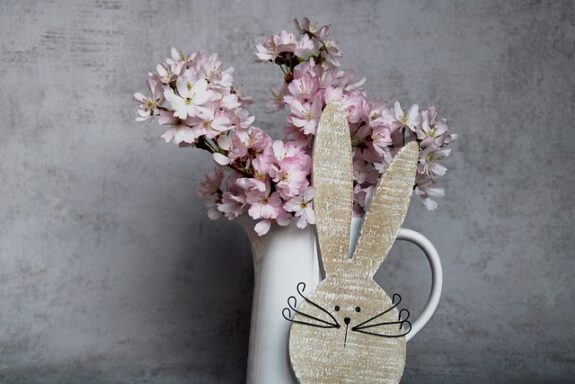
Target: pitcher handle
(436,277)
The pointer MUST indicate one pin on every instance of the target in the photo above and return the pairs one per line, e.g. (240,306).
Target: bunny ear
(387,210)
(332,179)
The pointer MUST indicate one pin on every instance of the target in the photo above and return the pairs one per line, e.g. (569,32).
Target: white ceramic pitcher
(283,258)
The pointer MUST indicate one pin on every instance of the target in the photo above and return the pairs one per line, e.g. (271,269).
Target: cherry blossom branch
(195,98)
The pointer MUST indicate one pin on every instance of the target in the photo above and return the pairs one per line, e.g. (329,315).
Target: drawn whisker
(292,304)
(404,310)
(387,335)
(293,308)
(288,318)
(396,299)
(402,320)
(300,288)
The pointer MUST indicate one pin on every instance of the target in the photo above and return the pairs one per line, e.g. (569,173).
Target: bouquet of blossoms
(195,98)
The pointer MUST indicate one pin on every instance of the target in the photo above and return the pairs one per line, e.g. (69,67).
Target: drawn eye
(336,308)
(357,309)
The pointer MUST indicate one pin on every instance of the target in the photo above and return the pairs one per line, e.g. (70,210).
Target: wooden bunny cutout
(348,330)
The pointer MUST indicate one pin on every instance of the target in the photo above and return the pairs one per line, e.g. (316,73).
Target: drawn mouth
(346,321)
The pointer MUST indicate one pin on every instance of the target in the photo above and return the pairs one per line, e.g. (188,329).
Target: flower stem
(208,145)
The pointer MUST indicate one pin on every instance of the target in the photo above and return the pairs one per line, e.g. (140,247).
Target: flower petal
(262,227)
(221,159)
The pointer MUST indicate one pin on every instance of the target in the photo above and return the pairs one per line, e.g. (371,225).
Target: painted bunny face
(348,329)
(360,338)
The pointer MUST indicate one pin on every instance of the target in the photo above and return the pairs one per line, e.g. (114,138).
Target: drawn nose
(346,320)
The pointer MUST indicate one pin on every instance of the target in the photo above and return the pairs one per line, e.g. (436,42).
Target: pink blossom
(411,119)
(175,63)
(356,106)
(229,102)
(364,141)
(212,206)
(380,114)
(259,184)
(290,169)
(211,69)
(283,151)
(197,99)
(251,141)
(433,131)
(303,88)
(333,94)
(309,67)
(330,53)
(275,45)
(304,47)
(305,26)
(224,142)
(165,73)
(233,202)
(214,121)
(232,205)
(241,118)
(285,41)
(295,136)
(266,51)
(263,227)
(263,205)
(382,142)
(179,131)
(301,207)
(290,178)
(361,199)
(277,101)
(327,49)
(429,160)
(305,116)
(221,159)
(426,189)
(211,183)
(364,172)
(209,190)
(190,96)
(149,106)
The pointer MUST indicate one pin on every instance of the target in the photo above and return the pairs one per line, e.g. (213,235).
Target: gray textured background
(110,272)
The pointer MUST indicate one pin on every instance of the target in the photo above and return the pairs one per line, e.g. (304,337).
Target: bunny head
(348,329)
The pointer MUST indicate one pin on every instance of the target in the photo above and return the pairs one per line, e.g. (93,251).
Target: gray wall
(110,272)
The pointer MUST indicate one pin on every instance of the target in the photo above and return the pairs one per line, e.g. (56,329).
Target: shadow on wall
(208,305)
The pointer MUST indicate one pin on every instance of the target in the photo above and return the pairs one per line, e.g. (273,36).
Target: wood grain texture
(328,342)
(388,209)
(333,185)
